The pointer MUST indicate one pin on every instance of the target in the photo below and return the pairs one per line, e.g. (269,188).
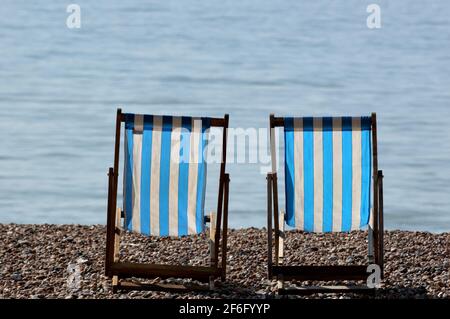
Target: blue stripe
(366,165)
(129,121)
(327,174)
(146,173)
(164,178)
(201,182)
(289,170)
(346,173)
(129,125)
(308,173)
(183,178)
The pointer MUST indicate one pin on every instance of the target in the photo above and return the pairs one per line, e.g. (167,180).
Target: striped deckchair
(164,186)
(329,163)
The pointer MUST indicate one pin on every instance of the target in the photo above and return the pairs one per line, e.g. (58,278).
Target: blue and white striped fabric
(327,173)
(165,174)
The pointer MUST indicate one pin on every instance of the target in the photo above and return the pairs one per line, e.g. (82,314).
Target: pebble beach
(38,261)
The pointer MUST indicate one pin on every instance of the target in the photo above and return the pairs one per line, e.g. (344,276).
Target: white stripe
(318,175)
(125,174)
(298,174)
(174,173)
(356,172)
(371,216)
(337,174)
(137,158)
(155,173)
(272,149)
(193,175)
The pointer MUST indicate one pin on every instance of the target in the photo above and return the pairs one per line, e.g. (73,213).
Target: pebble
(35,260)
(16,277)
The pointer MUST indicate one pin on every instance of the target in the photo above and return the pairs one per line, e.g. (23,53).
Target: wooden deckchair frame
(321,273)
(118,271)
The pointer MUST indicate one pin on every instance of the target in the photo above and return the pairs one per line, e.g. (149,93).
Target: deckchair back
(327,173)
(164,174)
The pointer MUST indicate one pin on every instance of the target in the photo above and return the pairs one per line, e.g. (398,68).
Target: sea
(66,66)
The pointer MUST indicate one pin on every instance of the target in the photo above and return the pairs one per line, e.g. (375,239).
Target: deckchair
(163,195)
(328,166)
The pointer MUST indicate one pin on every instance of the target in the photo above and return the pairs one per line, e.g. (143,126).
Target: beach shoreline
(67,261)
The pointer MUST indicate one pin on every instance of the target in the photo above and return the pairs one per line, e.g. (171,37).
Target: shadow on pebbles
(67,261)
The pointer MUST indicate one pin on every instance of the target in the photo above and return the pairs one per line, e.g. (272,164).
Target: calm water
(59,89)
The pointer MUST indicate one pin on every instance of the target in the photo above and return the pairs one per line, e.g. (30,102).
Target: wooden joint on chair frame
(274,177)
(281,234)
(110,172)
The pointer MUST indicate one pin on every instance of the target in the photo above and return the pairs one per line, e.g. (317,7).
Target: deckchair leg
(110,224)
(117,235)
(269,226)
(225,228)
(280,257)
(381,223)
(370,245)
(115,284)
(115,279)
(211,283)
(212,245)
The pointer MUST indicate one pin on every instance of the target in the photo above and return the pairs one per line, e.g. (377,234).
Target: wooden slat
(214,121)
(125,270)
(321,272)
(129,285)
(325,289)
